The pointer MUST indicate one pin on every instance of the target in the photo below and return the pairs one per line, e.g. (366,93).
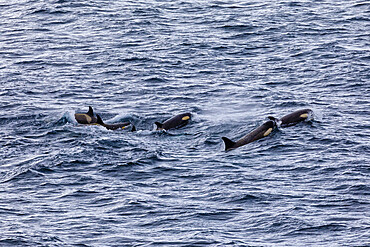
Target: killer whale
(292,118)
(174,122)
(86,118)
(114,126)
(264,130)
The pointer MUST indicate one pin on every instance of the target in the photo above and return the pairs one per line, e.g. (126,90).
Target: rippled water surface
(231,64)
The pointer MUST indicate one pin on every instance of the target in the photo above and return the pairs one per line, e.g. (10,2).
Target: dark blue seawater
(230,63)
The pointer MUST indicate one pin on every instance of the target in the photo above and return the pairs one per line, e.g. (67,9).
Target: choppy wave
(231,64)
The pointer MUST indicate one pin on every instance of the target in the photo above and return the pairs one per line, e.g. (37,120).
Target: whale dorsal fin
(90,112)
(159,125)
(99,120)
(133,128)
(228,143)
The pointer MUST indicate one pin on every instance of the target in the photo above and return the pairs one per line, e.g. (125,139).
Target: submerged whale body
(258,133)
(293,118)
(86,118)
(114,126)
(175,122)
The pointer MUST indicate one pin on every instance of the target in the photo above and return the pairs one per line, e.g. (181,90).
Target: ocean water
(231,64)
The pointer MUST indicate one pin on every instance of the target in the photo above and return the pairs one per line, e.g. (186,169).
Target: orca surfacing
(258,133)
(86,118)
(114,126)
(175,122)
(293,118)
